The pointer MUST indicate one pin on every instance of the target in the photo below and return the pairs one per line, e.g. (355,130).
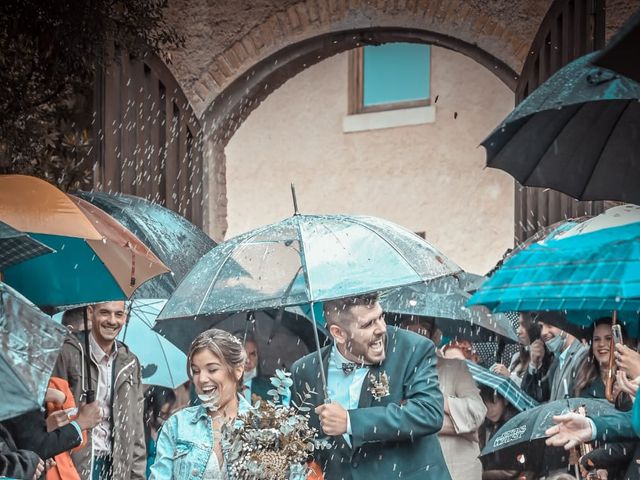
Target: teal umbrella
(588,271)
(306,259)
(162,362)
(29,346)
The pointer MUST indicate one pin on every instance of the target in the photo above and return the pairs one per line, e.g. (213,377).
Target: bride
(189,444)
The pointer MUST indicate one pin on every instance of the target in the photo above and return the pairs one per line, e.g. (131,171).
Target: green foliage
(271,441)
(49,55)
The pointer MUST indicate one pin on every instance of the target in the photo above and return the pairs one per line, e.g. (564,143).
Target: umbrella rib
(398,252)
(222,264)
(553,140)
(595,165)
(303,264)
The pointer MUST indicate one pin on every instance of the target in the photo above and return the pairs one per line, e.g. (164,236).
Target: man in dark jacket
(30,432)
(16,463)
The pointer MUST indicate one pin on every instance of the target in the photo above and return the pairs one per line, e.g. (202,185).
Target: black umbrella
(623,52)
(282,337)
(579,133)
(444,300)
(519,443)
(174,240)
(17,247)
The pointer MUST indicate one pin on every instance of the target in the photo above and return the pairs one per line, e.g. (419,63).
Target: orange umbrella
(95,259)
(129,260)
(30,204)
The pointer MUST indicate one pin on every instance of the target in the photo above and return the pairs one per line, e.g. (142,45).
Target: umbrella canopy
(96,259)
(445,299)
(622,52)
(577,133)
(30,344)
(306,259)
(162,362)
(504,386)
(17,247)
(587,271)
(30,204)
(519,443)
(281,338)
(178,243)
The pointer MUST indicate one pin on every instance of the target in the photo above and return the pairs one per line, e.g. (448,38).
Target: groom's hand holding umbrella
(333,419)
(571,430)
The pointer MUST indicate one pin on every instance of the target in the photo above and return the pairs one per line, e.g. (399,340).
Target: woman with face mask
(189,444)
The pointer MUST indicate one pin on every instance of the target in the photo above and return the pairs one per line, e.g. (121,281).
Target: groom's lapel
(366,399)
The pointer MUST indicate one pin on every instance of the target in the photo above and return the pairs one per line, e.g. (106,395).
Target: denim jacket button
(194,472)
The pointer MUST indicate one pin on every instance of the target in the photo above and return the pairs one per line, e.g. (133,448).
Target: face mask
(209,401)
(250,375)
(555,344)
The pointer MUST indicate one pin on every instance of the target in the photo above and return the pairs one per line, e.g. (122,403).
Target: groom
(385,406)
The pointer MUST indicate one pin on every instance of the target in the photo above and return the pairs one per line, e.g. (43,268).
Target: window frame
(356,88)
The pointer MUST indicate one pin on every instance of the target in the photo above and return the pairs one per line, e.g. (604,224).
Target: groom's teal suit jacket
(394,437)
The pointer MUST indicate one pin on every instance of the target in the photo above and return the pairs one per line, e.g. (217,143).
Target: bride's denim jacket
(185,443)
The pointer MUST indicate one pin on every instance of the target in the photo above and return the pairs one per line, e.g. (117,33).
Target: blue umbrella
(588,271)
(504,386)
(30,343)
(306,259)
(162,362)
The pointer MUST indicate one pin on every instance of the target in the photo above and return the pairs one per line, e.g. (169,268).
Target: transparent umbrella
(29,345)
(305,259)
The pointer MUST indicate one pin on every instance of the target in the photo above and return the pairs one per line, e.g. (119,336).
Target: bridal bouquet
(271,441)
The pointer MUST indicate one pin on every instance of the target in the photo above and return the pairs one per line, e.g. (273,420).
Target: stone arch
(234,82)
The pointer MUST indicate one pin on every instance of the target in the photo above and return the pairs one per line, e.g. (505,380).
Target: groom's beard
(250,375)
(363,352)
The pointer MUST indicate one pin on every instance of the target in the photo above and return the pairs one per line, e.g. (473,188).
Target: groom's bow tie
(348,367)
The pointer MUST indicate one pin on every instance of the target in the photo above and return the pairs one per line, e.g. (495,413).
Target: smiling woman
(591,375)
(189,444)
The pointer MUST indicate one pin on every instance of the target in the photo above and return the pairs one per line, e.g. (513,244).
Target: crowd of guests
(133,431)
(551,364)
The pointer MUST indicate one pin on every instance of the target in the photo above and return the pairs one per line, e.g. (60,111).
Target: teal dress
(151,455)
(635,417)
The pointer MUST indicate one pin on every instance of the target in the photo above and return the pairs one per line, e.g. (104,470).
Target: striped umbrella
(17,247)
(504,386)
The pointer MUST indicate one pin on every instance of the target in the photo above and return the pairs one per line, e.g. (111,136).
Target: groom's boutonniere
(379,386)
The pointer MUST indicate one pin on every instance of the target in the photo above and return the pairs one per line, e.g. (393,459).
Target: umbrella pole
(90,394)
(323,377)
(608,387)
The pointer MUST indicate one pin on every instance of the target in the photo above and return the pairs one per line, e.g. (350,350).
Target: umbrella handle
(90,396)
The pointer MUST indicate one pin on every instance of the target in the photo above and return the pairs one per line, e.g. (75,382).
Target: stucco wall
(428,177)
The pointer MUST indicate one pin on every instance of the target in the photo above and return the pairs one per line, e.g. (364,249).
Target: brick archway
(231,84)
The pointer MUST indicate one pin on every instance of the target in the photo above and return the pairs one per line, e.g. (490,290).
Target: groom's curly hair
(333,309)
